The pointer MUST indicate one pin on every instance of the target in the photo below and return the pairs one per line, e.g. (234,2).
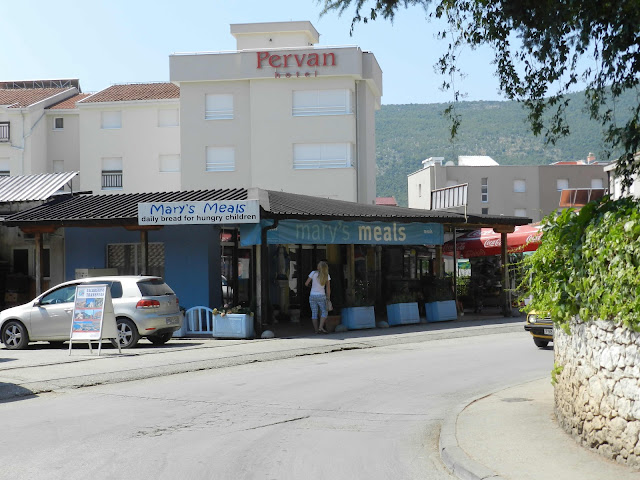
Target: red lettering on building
(273,59)
(333,59)
(314,60)
(262,56)
(310,60)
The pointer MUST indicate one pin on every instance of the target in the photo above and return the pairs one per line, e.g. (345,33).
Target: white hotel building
(279,113)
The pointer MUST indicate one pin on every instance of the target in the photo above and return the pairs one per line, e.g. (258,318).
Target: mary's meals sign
(199,213)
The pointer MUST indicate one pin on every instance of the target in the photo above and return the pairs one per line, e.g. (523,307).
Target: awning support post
(38,246)
(506,292)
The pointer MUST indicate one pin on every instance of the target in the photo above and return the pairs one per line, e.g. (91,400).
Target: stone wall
(597,395)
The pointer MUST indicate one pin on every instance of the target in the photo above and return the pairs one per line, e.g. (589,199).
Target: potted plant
(403,309)
(440,303)
(233,322)
(359,311)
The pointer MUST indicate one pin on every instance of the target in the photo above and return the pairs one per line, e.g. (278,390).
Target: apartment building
(521,191)
(129,139)
(30,139)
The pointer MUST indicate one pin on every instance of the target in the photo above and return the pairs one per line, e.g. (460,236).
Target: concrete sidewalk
(506,434)
(513,434)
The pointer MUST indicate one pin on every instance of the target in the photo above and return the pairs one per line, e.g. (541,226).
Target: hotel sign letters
(296,60)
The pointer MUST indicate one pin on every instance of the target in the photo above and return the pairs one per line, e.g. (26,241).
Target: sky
(129,41)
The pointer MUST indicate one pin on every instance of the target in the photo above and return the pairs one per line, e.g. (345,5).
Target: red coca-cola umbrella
(484,242)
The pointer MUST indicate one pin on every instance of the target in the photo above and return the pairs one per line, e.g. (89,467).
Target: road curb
(13,390)
(452,455)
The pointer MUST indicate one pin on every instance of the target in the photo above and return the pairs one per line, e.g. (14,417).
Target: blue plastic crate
(355,318)
(403,313)
(233,325)
(441,311)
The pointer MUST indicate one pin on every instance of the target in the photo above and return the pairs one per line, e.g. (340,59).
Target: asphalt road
(359,414)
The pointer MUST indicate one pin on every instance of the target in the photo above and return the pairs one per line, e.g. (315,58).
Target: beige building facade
(521,191)
(279,113)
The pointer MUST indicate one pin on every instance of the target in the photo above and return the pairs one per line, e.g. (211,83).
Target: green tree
(543,50)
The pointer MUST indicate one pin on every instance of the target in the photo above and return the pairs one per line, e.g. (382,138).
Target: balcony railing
(111,179)
(4,131)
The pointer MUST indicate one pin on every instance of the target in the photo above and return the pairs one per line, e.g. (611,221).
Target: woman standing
(319,279)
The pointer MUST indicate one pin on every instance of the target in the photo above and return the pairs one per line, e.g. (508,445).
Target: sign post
(93,316)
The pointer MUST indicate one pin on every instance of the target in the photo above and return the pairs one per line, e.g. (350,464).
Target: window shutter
(218,107)
(221,159)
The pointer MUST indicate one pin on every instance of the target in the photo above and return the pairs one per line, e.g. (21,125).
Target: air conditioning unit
(95,272)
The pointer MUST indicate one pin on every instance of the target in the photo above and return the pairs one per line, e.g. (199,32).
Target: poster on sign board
(93,317)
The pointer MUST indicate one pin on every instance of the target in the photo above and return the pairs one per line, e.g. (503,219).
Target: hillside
(407,134)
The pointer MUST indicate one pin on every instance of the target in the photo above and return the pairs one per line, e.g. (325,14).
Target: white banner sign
(199,213)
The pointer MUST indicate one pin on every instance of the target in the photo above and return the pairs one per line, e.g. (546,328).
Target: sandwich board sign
(93,317)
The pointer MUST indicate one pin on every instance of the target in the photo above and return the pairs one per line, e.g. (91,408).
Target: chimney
(591,158)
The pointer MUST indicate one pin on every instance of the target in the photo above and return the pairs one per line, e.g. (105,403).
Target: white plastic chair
(199,320)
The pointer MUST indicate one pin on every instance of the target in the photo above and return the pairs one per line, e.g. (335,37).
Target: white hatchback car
(144,306)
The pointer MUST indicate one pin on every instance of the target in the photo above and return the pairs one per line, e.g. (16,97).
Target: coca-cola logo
(534,238)
(493,242)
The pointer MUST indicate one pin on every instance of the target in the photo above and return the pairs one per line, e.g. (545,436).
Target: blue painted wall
(186,251)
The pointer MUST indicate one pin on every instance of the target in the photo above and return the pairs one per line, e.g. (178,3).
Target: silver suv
(143,306)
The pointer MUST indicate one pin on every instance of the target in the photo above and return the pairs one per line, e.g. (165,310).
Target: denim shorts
(318,301)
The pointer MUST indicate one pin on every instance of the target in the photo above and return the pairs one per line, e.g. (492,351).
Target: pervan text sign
(199,213)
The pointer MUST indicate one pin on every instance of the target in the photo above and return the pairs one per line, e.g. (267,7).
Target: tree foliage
(543,50)
(588,264)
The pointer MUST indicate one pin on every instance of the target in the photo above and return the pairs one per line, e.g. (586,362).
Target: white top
(316,288)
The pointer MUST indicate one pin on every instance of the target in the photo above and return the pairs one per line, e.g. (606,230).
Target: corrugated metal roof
(111,209)
(122,209)
(29,188)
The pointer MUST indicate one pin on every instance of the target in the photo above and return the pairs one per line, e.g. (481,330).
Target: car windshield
(154,287)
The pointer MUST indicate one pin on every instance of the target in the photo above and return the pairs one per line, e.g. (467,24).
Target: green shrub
(587,264)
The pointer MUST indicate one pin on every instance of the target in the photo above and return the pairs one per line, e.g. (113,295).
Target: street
(373,413)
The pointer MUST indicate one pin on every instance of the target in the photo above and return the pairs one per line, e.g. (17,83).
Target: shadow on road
(12,393)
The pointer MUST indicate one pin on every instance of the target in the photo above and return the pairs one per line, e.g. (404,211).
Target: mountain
(407,134)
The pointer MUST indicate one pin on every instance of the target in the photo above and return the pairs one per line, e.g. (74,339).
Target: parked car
(144,306)
(541,328)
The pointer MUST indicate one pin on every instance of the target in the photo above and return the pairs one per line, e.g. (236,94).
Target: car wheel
(540,342)
(160,339)
(128,335)
(14,335)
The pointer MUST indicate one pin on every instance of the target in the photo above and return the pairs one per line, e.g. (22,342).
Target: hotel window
(485,211)
(520,212)
(519,186)
(168,117)
(596,183)
(321,155)
(321,102)
(4,131)
(111,120)
(169,163)
(112,173)
(5,167)
(58,123)
(562,184)
(484,190)
(218,107)
(221,159)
